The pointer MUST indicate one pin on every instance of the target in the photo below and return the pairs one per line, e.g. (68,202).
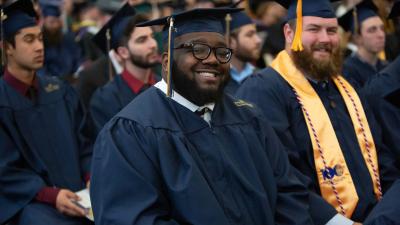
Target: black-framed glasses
(202,51)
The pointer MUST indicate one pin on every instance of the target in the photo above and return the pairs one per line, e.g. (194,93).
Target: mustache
(322,46)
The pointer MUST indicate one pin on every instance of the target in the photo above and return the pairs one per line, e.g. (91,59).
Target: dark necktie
(204,113)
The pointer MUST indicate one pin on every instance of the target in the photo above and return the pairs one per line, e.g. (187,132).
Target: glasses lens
(223,54)
(201,51)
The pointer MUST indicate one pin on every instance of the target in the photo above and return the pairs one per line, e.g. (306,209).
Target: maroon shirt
(134,84)
(20,86)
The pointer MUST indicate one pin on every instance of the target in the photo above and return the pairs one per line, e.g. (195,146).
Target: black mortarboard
(50,7)
(17,16)
(395,12)
(192,21)
(195,20)
(296,9)
(110,34)
(240,19)
(352,19)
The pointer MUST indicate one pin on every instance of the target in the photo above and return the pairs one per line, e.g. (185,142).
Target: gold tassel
(228,20)
(297,45)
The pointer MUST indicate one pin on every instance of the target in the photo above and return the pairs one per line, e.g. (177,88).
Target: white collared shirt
(162,85)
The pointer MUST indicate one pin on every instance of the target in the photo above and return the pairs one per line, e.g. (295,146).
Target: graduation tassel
(228,19)
(110,71)
(297,45)
(170,55)
(355,19)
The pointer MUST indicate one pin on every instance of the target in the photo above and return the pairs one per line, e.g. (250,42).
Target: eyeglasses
(203,51)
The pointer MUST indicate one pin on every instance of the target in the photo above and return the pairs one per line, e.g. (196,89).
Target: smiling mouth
(207,74)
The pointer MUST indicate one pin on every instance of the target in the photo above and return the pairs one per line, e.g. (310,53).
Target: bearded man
(246,44)
(138,51)
(63,56)
(199,156)
(320,118)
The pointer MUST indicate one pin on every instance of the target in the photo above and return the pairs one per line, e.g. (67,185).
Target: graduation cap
(50,7)
(17,16)
(192,21)
(240,19)
(296,9)
(110,34)
(395,12)
(352,19)
(235,20)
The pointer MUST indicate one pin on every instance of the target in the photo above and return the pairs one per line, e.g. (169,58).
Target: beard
(52,37)
(246,55)
(142,61)
(316,68)
(190,89)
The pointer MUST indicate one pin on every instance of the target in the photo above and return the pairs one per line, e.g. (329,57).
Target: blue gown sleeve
(293,197)
(100,109)
(18,184)
(386,212)
(125,186)
(81,127)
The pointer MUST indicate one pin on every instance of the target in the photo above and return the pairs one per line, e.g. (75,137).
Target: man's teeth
(206,74)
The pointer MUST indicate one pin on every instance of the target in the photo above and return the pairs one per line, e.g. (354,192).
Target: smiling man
(198,157)
(328,130)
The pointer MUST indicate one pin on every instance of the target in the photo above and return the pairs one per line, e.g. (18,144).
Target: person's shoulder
(264,81)
(146,108)
(240,109)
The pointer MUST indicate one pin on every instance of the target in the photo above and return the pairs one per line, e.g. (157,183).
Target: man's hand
(357,223)
(65,205)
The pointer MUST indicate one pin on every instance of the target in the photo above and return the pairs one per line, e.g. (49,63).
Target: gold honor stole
(334,177)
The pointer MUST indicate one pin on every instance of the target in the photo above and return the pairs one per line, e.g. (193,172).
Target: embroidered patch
(241,103)
(51,87)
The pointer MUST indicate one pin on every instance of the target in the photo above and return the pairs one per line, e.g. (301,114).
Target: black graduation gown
(156,162)
(108,100)
(275,97)
(93,77)
(41,144)
(358,72)
(231,87)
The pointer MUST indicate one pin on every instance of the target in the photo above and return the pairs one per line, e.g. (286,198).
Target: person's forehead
(141,31)
(320,21)
(248,27)
(35,30)
(372,21)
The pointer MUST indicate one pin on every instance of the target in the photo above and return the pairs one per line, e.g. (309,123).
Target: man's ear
(123,52)
(233,42)
(8,48)
(164,62)
(289,33)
